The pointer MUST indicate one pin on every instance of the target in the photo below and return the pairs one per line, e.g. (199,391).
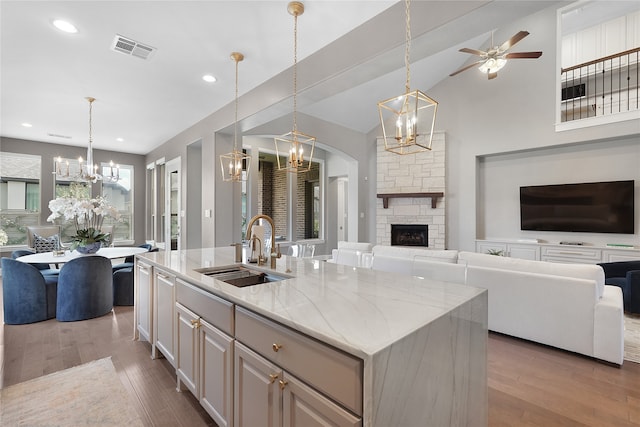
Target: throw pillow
(45,244)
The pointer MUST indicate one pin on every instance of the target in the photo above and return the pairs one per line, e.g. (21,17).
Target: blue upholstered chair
(85,288)
(123,286)
(128,261)
(626,275)
(27,295)
(45,269)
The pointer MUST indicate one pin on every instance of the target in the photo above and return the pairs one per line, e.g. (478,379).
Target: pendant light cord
(235,125)
(407,44)
(295,72)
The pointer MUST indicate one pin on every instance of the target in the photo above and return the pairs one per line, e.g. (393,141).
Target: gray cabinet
(288,379)
(143,301)
(164,320)
(204,352)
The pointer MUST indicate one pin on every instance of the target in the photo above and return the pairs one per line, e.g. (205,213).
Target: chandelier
(231,163)
(295,141)
(408,120)
(87,170)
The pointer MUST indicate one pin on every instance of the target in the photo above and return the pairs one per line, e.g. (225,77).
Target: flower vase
(90,248)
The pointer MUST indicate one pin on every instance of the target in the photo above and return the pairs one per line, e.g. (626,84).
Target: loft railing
(601,87)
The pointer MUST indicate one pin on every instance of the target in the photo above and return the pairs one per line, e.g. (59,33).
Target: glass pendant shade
(407,122)
(297,148)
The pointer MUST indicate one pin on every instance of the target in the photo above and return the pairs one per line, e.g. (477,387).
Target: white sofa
(350,253)
(567,306)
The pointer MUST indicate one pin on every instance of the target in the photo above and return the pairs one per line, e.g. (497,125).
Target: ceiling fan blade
(473,51)
(513,40)
(516,55)
(492,75)
(466,67)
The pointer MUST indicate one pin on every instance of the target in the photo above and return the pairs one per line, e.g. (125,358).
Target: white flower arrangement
(3,238)
(85,213)
(87,216)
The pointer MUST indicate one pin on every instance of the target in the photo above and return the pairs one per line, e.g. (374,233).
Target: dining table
(60,257)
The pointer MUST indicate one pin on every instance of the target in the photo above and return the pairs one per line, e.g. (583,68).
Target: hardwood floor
(529,384)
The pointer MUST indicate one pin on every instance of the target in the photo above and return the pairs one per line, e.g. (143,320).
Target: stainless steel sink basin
(240,276)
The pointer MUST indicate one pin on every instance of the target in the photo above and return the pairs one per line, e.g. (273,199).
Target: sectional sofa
(567,306)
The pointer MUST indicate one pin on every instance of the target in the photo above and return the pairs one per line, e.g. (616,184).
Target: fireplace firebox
(409,235)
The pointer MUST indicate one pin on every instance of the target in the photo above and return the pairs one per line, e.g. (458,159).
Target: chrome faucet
(275,254)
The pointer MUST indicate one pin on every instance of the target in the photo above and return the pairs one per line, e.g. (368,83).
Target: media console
(556,252)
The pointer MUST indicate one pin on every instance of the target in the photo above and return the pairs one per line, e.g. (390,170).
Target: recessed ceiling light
(208,78)
(65,26)
(120,139)
(27,125)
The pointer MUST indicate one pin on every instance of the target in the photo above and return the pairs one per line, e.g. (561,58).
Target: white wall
(514,113)
(500,178)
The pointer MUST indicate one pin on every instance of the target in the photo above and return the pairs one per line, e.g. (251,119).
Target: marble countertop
(360,311)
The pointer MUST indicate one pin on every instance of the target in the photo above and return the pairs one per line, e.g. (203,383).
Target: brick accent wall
(272,196)
(413,173)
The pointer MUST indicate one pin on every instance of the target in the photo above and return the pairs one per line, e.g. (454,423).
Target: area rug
(632,338)
(85,395)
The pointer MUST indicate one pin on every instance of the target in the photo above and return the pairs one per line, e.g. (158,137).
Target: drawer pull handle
(276,347)
(195,323)
(272,378)
(283,384)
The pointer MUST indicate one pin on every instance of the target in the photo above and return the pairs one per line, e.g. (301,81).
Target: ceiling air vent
(131,47)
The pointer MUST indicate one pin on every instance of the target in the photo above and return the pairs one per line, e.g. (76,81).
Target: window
(308,207)
(119,194)
(19,195)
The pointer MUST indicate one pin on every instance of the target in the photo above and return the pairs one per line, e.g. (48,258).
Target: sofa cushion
(356,246)
(578,271)
(440,255)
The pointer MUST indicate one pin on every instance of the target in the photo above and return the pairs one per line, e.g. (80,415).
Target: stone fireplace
(412,175)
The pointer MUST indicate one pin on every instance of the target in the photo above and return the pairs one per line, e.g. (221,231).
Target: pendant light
(293,144)
(88,171)
(232,163)
(408,120)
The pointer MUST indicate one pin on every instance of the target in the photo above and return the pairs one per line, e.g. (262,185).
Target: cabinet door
(187,348)
(143,301)
(257,394)
(620,255)
(164,318)
(216,373)
(305,407)
(485,247)
(531,252)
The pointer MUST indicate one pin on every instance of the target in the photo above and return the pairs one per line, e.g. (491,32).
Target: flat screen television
(594,207)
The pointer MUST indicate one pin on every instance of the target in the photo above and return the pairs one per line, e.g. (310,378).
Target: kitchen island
(326,344)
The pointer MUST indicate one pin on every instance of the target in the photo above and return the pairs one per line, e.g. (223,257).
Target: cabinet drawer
(329,370)
(215,310)
(573,253)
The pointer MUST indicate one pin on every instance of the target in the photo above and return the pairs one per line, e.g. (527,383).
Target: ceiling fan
(494,58)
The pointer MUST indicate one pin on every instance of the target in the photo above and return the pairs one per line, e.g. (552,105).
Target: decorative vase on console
(87,216)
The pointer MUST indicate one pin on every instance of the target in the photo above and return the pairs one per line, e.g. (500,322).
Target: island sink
(239,275)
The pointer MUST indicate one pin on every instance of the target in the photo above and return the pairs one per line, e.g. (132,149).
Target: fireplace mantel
(433,196)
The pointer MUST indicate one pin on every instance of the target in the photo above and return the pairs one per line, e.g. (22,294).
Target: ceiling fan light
(492,65)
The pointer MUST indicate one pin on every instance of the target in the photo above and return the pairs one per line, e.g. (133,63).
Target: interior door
(173,219)
(342,208)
